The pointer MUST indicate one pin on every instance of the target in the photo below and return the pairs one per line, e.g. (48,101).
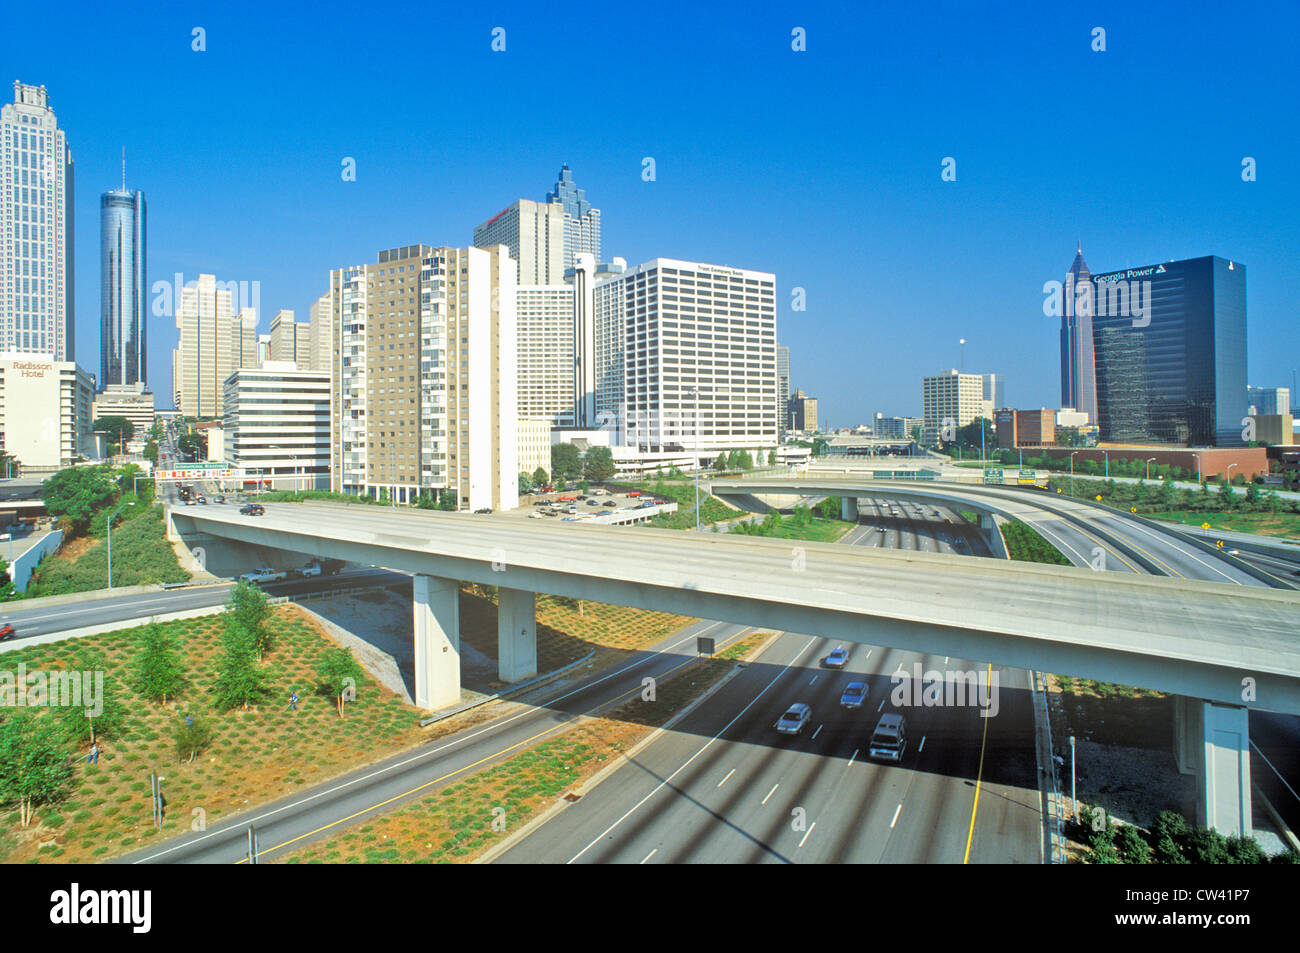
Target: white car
(537,515)
(265,574)
(795,719)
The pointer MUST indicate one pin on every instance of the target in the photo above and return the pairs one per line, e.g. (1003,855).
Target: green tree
(540,477)
(192,445)
(150,452)
(35,768)
(820,446)
(338,675)
(566,461)
(746,461)
(118,429)
(1253,497)
(249,609)
(77,493)
(733,460)
(771,457)
(525,484)
(241,682)
(158,664)
(598,464)
(191,738)
(103,716)
(721,462)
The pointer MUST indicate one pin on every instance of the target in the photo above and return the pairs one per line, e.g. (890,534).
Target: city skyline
(873,211)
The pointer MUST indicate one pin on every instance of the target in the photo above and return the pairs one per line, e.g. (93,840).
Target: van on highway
(889,740)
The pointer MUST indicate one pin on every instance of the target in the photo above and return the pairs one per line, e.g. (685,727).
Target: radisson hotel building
(1176,373)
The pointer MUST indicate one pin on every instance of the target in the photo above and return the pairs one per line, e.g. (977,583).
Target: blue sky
(822,166)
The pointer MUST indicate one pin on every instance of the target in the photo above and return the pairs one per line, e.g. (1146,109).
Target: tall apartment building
(535,234)
(782,382)
(277,425)
(209,347)
(37,312)
(581,218)
(123,287)
(424,374)
(698,346)
(609,324)
(320,333)
(950,396)
(546,353)
(289,340)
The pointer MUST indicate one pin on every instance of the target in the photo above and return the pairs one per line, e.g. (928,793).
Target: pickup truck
(264,574)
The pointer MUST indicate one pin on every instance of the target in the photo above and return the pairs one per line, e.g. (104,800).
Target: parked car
(795,719)
(837,659)
(486,509)
(265,574)
(610,503)
(252,509)
(593,502)
(7,632)
(855,693)
(311,569)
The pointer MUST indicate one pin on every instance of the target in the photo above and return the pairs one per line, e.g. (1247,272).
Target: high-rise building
(993,396)
(782,384)
(424,371)
(1078,370)
(123,287)
(950,397)
(1173,368)
(289,339)
(610,310)
(1269,400)
(802,411)
(209,347)
(535,234)
(132,401)
(546,353)
(247,346)
(699,355)
(37,313)
(277,425)
(320,332)
(45,411)
(581,219)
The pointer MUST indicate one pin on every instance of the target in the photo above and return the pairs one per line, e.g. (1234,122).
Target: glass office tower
(1176,372)
(123,288)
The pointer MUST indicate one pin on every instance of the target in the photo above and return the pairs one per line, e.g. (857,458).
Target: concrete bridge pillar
(1213,742)
(849,509)
(993,535)
(437,642)
(516,634)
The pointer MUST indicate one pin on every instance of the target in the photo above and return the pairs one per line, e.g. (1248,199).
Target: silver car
(794,720)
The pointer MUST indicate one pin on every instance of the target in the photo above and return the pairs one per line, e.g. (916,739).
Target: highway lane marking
(724,780)
(1172,541)
(979,778)
(922,745)
(881,706)
(855,755)
(649,855)
(898,810)
(771,792)
(814,678)
(708,744)
(807,833)
(430,753)
(816,733)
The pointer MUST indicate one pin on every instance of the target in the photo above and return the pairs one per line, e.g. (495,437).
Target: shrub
(1132,846)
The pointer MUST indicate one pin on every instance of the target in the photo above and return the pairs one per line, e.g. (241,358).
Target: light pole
(1149,459)
(695,394)
(1072,473)
(110,539)
(1200,478)
(1227,474)
(1106,456)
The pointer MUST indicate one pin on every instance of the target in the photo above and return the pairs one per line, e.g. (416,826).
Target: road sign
(993,475)
(704,645)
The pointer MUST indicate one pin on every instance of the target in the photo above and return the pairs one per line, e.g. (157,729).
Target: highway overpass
(1231,645)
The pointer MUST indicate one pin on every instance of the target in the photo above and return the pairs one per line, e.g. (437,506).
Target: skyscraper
(783,386)
(581,219)
(37,313)
(1078,369)
(536,234)
(209,348)
(123,287)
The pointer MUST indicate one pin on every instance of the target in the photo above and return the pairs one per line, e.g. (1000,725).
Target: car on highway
(610,503)
(220,499)
(889,740)
(252,509)
(7,632)
(537,515)
(795,719)
(264,574)
(203,500)
(837,659)
(487,510)
(855,693)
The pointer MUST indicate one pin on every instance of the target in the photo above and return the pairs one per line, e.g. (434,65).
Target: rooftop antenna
(124,168)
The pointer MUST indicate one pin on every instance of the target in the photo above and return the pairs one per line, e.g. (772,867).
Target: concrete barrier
(20,571)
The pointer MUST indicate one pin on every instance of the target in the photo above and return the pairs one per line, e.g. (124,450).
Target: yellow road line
(462,770)
(979,778)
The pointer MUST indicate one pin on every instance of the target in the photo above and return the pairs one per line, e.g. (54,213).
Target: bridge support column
(849,509)
(1213,742)
(437,641)
(516,634)
(993,535)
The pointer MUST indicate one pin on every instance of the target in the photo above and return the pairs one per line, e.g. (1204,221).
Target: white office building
(535,234)
(45,411)
(212,345)
(950,397)
(37,313)
(134,403)
(276,425)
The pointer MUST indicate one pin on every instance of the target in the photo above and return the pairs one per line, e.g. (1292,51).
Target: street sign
(224,473)
(704,645)
(993,475)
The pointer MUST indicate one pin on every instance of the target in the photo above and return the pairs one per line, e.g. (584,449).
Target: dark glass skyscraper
(1078,374)
(1171,366)
(123,290)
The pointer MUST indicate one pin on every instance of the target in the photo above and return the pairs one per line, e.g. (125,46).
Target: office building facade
(802,412)
(581,218)
(276,425)
(132,401)
(209,347)
(535,234)
(424,376)
(37,281)
(950,397)
(46,411)
(1078,367)
(123,288)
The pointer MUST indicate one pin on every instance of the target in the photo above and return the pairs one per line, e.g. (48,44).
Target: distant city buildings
(897,428)
(1269,400)
(37,313)
(212,346)
(950,398)
(289,340)
(132,401)
(535,234)
(801,411)
(123,288)
(783,386)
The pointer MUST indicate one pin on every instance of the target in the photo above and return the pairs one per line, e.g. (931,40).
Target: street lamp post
(1149,459)
(1106,456)
(695,394)
(1072,473)
(1227,474)
(110,539)
(1200,477)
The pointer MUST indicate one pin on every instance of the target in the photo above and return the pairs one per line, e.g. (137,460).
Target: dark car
(221,499)
(837,659)
(486,509)
(6,632)
(610,503)
(252,509)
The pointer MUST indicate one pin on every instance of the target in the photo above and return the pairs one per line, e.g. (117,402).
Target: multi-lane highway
(724,787)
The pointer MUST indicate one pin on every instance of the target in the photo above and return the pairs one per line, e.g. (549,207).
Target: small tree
(85,723)
(158,665)
(7,590)
(191,739)
(598,464)
(339,674)
(539,476)
(241,682)
(118,429)
(77,493)
(34,765)
(525,484)
(248,610)
(721,462)
(771,457)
